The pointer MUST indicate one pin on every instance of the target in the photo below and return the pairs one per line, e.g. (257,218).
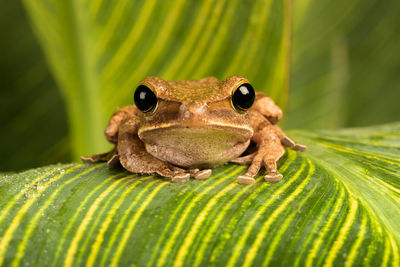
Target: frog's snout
(192,110)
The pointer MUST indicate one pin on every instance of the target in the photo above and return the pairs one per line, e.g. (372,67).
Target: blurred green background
(345,65)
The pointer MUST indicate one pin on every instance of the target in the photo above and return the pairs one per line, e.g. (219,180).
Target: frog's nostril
(192,110)
(184,111)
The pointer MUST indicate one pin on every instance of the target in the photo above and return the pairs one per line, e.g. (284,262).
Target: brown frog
(180,129)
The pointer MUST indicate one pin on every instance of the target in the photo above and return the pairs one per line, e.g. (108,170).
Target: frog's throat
(197,158)
(196,147)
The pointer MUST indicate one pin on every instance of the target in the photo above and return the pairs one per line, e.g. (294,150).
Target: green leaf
(99,51)
(338,203)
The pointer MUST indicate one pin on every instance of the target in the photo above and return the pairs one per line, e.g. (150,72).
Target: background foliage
(344,73)
(98,51)
(32,118)
(345,63)
(338,203)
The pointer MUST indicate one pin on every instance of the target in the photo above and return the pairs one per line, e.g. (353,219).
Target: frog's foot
(95,158)
(114,162)
(273,177)
(262,159)
(300,147)
(174,174)
(181,178)
(200,174)
(99,157)
(269,152)
(246,179)
(91,159)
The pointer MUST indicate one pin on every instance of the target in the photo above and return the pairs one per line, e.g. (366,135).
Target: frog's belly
(196,147)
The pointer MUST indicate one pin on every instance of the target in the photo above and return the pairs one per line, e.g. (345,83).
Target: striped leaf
(99,50)
(339,203)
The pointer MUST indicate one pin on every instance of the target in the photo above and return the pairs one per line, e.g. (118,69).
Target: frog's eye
(243,97)
(145,99)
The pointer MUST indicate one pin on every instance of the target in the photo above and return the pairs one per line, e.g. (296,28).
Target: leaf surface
(338,203)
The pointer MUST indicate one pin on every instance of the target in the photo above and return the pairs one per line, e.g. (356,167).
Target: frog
(183,129)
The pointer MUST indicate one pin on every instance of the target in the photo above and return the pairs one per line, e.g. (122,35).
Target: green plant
(345,64)
(99,52)
(32,118)
(338,204)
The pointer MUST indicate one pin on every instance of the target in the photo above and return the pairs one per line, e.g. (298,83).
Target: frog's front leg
(270,150)
(265,108)
(111,134)
(134,157)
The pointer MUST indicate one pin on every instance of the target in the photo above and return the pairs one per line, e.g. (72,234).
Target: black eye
(145,99)
(243,97)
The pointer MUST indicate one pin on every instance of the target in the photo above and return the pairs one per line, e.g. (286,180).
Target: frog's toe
(97,158)
(300,147)
(203,174)
(176,169)
(245,179)
(114,162)
(273,177)
(181,178)
(245,160)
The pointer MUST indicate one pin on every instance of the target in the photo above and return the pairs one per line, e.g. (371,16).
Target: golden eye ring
(243,96)
(145,98)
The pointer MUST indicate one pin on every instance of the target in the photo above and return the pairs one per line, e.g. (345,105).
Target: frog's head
(203,113)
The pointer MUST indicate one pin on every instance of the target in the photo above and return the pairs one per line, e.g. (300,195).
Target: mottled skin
(194,128)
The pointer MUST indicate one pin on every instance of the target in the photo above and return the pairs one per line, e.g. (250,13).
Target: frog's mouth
(244,130)
(196,146)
